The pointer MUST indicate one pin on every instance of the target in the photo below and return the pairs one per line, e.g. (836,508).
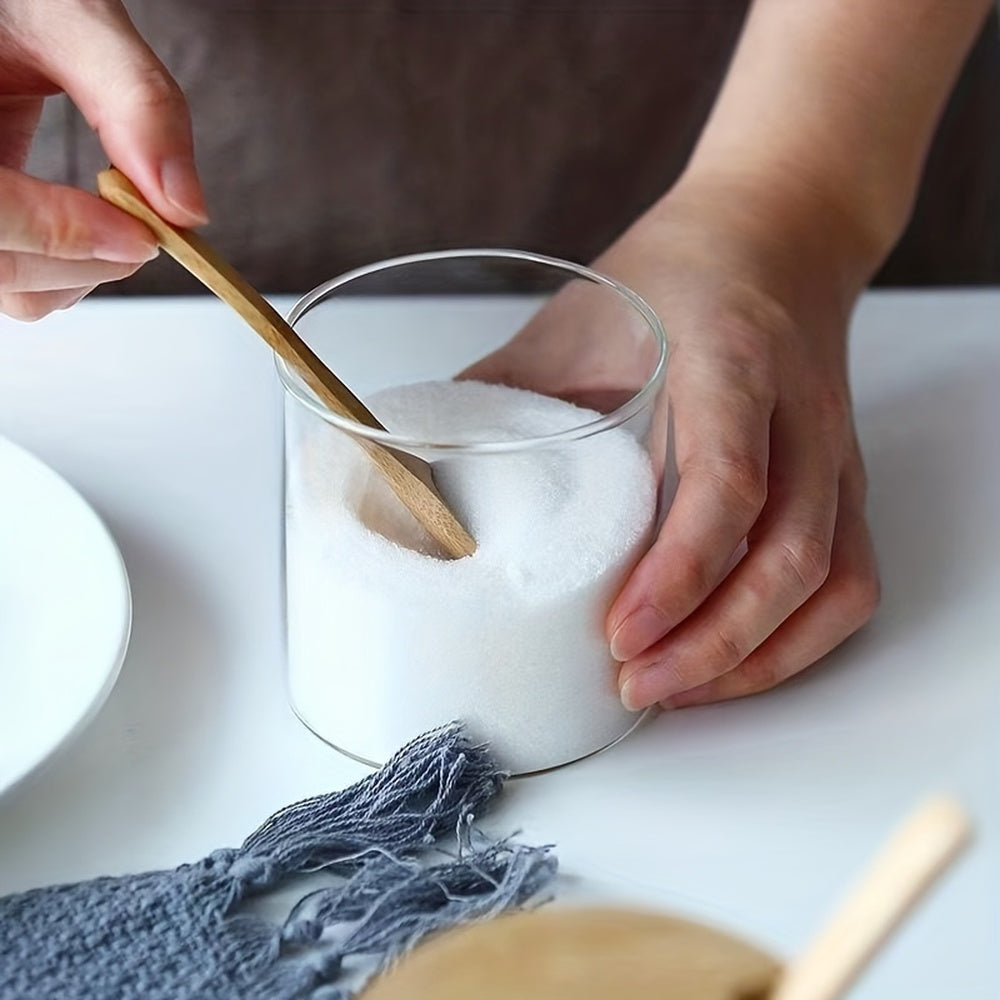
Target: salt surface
(385,642)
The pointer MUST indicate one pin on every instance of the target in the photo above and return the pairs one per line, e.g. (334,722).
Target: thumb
(132,103)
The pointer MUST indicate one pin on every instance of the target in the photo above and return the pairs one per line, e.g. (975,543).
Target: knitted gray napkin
(178,934)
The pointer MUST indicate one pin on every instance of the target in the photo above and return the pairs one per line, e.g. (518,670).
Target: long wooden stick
(409,477)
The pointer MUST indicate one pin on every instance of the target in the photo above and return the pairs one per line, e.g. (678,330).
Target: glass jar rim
(606,421)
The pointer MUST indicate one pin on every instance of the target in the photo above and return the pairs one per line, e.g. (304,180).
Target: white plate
(65,613)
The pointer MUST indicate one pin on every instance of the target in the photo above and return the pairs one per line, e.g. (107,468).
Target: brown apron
(331,134)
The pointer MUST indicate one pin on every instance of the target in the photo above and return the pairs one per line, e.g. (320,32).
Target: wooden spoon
(409,477)
(912,859)
(564,953)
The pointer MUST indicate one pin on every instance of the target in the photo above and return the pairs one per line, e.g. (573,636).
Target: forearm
(830,106)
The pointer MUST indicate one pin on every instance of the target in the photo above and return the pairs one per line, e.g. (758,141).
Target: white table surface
(755,814)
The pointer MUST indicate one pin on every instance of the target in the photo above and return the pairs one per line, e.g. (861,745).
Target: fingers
(18,120)
(31,306)
(28,272)
(57,221)
(56,243)
(845,603)
(722,429)
(132,102)
(803,545)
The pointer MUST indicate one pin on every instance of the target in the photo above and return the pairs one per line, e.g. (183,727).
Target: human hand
(755,301)
(56,242)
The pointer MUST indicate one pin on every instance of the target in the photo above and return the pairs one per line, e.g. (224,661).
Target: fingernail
(630,696)
(182,188)
(639,631)
(646,686)
(118,250)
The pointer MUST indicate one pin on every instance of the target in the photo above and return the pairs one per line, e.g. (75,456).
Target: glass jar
(533,387)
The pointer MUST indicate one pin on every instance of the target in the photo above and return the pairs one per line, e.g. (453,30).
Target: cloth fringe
(186,933)
(392,904)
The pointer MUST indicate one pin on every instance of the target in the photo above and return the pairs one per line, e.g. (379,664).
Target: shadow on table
(930,511)
(159,710)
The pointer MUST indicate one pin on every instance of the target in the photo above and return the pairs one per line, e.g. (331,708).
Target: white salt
(385,642)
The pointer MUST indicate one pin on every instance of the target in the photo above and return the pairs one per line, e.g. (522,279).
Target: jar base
(640,718)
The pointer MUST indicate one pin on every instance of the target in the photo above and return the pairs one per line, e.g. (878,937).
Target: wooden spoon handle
(409,478)
(913,858)
(216,273)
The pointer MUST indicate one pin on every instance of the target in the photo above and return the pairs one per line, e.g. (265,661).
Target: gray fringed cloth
(179,934)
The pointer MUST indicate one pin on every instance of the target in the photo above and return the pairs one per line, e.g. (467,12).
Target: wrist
(827,112)
(783,224)
(865,200)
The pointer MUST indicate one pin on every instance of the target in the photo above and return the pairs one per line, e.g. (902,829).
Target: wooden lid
(580,954)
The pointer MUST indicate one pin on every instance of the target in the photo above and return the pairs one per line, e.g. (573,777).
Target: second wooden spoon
(409,477)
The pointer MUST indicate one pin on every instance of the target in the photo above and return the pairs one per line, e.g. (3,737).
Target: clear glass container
(533,386)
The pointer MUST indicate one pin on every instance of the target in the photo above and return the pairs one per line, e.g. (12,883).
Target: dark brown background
(331,134)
